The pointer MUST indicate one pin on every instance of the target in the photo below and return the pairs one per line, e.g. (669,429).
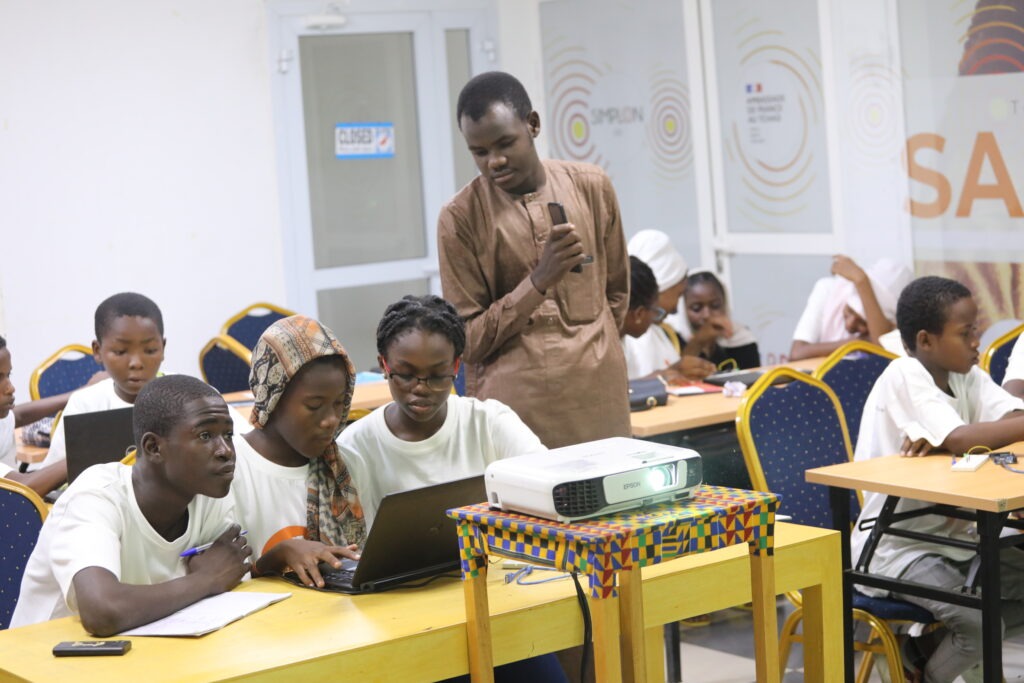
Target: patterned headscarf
(333,513)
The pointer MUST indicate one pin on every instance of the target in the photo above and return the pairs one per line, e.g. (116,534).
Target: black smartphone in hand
(557,213)
(91,648)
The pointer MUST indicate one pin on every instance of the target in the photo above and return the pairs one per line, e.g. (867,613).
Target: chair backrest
(850,371)
(68,369)
(787,429)
(225,364)
(997,355)
(23,513)
(248,324)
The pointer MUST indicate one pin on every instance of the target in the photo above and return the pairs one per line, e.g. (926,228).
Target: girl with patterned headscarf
(292,491)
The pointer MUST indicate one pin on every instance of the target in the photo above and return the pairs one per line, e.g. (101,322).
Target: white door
(368,153)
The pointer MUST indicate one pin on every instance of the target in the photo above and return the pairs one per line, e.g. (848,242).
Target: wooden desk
(692,412)
(991,491)
(26,453)
(420,635)
(610,551)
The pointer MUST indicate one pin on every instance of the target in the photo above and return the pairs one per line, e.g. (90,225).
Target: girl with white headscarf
(852,304)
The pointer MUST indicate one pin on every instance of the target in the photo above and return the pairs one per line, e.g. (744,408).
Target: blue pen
(203,548)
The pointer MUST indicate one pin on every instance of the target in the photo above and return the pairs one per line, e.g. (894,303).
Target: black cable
(587,628)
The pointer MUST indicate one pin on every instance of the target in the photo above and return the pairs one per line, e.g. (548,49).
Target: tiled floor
(723,652)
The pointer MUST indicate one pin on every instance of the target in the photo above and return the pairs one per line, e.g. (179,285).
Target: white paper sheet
(209,614)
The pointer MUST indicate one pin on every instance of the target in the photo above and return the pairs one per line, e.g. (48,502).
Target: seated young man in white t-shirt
(130,345)
(1013,380)
(42,481)
(110,551)
(937,398)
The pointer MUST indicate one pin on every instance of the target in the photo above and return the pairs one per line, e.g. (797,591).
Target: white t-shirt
(8,446)
(98,523)
(650,352)
(474,434)
(94,398)
(90,399)
(270,499)
(1015,365)
(892,342)
(905,401)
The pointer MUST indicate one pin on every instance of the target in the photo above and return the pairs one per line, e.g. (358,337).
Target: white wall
(136,153)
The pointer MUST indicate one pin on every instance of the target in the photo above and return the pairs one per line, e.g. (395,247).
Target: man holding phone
(533,257)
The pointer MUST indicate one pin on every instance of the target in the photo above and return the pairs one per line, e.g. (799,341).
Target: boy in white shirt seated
(426,435)
(937,398)
(130,345)
(42,481)
(110,551)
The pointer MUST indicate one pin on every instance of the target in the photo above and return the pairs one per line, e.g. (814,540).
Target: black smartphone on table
(91,648)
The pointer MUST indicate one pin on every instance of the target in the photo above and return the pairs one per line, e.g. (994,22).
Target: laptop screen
(96,438)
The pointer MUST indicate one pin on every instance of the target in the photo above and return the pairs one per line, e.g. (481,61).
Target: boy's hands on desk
(915,449)
(303,558)
(224,563)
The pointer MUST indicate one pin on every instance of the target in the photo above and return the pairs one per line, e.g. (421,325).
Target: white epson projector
(591,479)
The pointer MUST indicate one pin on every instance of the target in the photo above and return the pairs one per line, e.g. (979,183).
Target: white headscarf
(888,278)
(654,248)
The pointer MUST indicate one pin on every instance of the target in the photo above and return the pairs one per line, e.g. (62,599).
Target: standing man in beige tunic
(543,302)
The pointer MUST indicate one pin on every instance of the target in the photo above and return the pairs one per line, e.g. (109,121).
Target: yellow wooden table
(610,551)
(419,635)
(693,412)
(26,453)
(991,492)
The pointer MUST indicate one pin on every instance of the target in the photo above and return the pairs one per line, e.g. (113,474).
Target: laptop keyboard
(337,578)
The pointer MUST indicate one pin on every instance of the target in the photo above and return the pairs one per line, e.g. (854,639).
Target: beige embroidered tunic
(554,357)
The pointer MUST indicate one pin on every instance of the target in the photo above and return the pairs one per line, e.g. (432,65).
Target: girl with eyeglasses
(427,434)
(653,349)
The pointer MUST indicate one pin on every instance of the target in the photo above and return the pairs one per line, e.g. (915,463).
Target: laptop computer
(748,377)
(411,538)
(96,438)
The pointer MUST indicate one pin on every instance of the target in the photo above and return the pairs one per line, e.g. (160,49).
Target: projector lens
(660,477)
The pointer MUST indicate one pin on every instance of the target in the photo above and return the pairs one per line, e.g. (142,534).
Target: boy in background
(937,398)
(111,548)
(130,345)
(42,481)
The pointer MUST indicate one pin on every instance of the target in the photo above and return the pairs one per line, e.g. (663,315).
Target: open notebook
(208,615)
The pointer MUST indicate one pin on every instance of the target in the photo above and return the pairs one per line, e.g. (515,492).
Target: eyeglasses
(658,311)
(434,382)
